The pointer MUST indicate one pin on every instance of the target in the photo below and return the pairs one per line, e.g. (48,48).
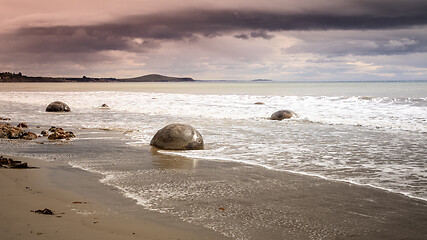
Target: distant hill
(18,77)
(156,78)
(262,80)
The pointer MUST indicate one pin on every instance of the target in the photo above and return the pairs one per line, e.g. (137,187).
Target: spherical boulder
(57,106)
(282,114)
(177,137)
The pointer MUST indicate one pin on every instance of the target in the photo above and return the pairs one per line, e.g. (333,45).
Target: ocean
(371,134)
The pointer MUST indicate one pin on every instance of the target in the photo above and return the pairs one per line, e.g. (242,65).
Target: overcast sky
(216,39)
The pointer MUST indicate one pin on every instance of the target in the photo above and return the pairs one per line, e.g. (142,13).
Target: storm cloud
(123,34)
(328,28)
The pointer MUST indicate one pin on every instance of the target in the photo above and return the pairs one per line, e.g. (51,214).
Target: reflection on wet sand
(164,161)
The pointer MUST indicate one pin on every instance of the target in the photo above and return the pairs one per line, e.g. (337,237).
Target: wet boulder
(283,114)
(177,137)
(57,106)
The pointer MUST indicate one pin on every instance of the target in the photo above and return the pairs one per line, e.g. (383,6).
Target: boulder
(57,106)
(177,137)
(283,114)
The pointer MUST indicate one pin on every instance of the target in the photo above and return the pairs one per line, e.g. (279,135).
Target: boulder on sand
(177,137)
(283,114)
(57,106)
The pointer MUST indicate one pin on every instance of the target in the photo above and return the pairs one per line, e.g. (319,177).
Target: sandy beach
(303,207)
(75,216)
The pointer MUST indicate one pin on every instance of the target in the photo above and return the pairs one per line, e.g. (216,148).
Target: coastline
(310,207)
(75,216)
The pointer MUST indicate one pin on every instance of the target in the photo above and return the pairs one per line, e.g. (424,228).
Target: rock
(15,133)
(45,211)
(7,131)
(177,137)
(29,136)
(10,163)
(259,103)
(59,133)
(57,106)
(4,119)
(104,106)
(283,114)
(22,125)
(52,129)
(44,133)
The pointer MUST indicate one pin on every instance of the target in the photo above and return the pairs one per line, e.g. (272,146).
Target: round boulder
(282,114)
(177,137)
(57,106)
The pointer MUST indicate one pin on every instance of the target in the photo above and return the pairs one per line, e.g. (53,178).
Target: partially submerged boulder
(283,114)
(58,106)
(177,137)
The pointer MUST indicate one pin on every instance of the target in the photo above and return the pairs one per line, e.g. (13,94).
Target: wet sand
(295,207)
(75,216)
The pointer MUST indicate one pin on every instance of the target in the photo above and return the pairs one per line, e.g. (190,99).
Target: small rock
(44,133)
(29,136)
(15,133)
(59,133)
(45,211)
(10,163)
(22,125)
(259,103)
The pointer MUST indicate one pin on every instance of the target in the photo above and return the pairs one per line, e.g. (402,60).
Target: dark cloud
(255,34)
(191,24)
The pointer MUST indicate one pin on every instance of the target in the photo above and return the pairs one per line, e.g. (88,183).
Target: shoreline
(76,216)
(358,212)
